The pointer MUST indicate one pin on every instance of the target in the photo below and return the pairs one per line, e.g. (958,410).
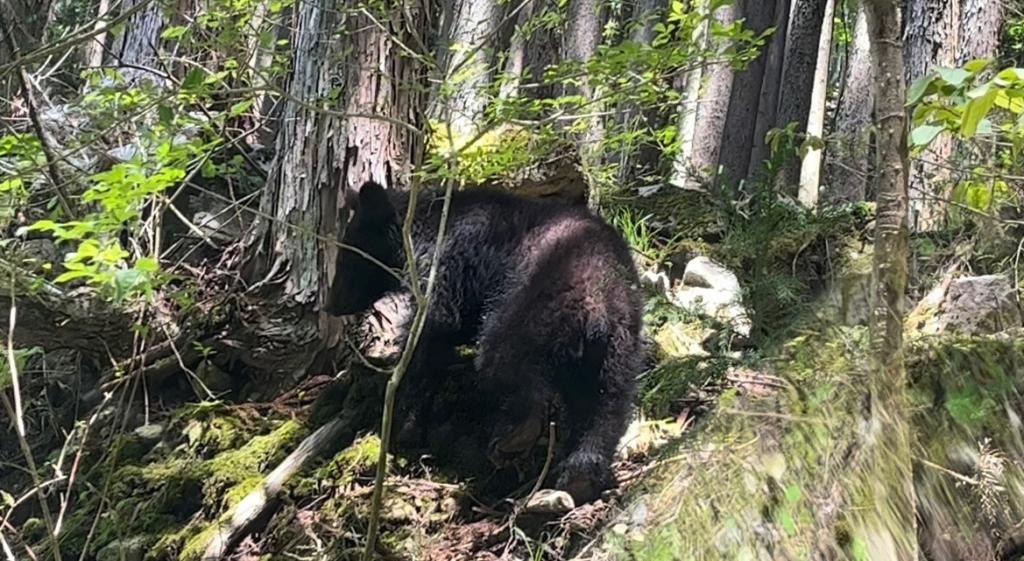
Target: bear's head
(373,230)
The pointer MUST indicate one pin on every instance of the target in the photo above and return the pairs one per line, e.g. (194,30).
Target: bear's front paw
(584,476)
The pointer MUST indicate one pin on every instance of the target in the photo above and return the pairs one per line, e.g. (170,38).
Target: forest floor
(746,452)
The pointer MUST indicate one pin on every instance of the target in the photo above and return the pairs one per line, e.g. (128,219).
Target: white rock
(550,501)
(711,289)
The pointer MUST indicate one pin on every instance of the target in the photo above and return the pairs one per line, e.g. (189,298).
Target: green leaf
(174,32)
(7,498)
(72,275)
(925,134)
(976,65)
(240,107)
(977,108)
(918,88)
(194,79)
(953,76)
(166,115)
(793,493)
(147,264)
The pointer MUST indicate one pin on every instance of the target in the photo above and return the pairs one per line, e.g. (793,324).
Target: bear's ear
(372,205)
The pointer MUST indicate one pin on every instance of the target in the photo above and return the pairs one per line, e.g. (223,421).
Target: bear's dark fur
(549,294)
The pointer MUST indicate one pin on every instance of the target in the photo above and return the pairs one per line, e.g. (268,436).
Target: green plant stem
(416,329)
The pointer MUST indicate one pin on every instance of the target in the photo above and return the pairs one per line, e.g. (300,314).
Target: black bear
(547,292)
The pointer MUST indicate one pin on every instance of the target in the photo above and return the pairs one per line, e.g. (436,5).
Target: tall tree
(933,39)
(96,47)
(138,47)
(846,164)
(582,37)
(688,84)
(737,139)
(887,523)
(768,104)
(801,58)
(810,169)
(980,24)
(320,155)
(470,60)
(713,107)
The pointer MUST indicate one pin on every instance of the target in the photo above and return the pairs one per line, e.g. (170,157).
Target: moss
(233,467)
(747,481)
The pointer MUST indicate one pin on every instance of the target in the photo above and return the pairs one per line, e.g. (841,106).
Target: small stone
(150,432)
(550,501)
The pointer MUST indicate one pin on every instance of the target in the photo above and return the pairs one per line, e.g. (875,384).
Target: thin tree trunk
(515,64)
(713,106)
(683,172)
(767,105)
(97,46)
(470,61)
(810,170)
(798,77)
(847,163)
(583,35)
(887,522)
(741,119)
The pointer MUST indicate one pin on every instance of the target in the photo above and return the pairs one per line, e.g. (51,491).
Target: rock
(980,305)
(150,433)
(711,289)
(550,501)
(702,272)
(128,549)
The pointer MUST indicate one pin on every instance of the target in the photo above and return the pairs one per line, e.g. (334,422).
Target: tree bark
(318,157)
(887,523)
(810,169)
(847,164)
(741,118)
(933,39)
(97,46)
(768,104)
(980,24)
(469,61)
(582,36)
(140,44)
(683,172)
(713,106)
(798,77)
(515,63)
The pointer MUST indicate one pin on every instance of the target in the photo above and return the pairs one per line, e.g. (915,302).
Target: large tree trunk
(713,106)
(469,61)
(846,161)
(933,39)
(980,24)
(798,76)
(810,169)
(768,104)
(140,43)
(740,121)
(318,157)
(886,523)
